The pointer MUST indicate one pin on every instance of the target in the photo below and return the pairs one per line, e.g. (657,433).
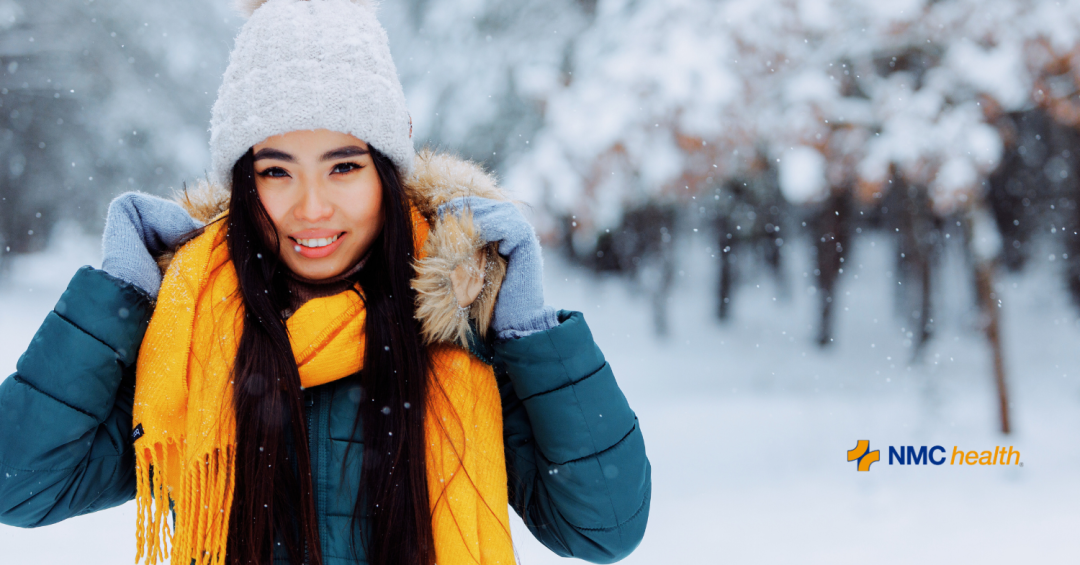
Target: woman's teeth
(318,242)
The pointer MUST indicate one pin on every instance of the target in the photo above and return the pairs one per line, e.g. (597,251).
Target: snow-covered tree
(470,68)
(100,97)
(904,111)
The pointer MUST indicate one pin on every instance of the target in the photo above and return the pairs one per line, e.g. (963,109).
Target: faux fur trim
(452,243)
(204,202)
(456,244)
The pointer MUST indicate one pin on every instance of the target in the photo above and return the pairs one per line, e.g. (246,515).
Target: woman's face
(321,191)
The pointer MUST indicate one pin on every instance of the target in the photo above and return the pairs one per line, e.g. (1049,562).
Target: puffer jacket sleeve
(577,469)
(65,415)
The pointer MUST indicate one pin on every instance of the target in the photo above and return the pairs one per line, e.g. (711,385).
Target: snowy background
(791,224)
(747,426)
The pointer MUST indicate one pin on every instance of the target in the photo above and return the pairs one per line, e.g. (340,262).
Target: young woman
(348,360)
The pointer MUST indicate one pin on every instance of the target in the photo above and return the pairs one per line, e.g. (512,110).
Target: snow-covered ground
(747,425)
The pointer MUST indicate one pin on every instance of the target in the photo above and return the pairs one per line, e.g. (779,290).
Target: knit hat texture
(307,65)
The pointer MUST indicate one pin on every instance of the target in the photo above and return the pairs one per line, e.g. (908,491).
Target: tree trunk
(725,278)
(984,244)
(990,318)
(832,239)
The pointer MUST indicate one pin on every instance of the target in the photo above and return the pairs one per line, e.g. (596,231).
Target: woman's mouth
(317,247)
(318,242)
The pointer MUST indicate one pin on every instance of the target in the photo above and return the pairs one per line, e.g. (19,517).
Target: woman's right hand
(138,228)
(519,308)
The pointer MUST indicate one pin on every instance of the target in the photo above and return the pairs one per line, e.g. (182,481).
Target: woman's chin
(317,269)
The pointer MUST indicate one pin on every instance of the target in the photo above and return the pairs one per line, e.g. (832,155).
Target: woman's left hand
(519,307)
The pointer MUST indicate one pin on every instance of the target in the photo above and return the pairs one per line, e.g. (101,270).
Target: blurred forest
(627,125)
(99,97)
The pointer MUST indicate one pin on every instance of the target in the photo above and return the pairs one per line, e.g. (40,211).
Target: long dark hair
(274,500)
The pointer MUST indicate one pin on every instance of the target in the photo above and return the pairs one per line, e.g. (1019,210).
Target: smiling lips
(316,244)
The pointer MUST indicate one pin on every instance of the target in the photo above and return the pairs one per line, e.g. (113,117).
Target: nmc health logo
(863,455)
(936,455)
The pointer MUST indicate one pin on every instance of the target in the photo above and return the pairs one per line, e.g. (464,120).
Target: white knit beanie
(306,65)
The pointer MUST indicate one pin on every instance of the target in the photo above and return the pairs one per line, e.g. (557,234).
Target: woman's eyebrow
(342,152)
(269,153)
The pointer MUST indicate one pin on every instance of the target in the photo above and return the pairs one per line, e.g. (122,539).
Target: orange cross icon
(860,453)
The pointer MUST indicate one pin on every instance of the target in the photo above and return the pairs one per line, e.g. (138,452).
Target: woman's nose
(313,206)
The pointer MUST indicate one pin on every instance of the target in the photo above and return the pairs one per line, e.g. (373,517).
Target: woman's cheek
(372,211)
(277,207)
(271,202)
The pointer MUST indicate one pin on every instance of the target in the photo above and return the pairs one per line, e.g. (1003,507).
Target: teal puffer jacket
(575,457)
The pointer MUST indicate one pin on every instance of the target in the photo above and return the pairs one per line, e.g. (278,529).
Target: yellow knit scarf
(183,408)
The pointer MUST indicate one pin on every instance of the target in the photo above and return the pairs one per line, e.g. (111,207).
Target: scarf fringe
(198,535)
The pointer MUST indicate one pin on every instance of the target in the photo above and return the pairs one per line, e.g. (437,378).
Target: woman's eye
(342,168)
(274,172)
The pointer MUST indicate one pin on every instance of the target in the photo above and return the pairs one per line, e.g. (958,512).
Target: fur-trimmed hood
(458,274)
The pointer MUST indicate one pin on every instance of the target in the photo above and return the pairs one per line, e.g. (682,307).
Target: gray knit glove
(519,308)
(138,228)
